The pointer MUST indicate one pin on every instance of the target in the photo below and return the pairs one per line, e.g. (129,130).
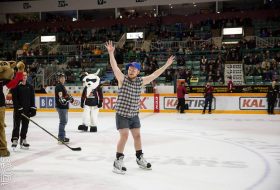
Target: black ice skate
(142,163)
(14,144)
(82,128)
(118,166)
(93,129)
(24,144)
(65,141)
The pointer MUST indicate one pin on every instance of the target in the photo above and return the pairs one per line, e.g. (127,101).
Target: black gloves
(29,113)
(82,104)
(63,101)
(69,98)
(99,104)
(20,110)
(32,111)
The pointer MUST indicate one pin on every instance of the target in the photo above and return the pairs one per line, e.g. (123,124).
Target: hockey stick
(74,149)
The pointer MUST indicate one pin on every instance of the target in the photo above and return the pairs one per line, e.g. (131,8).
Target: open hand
(110,47)
(170,60)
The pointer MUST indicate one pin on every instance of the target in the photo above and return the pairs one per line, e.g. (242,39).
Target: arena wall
(69,5)
(229,103)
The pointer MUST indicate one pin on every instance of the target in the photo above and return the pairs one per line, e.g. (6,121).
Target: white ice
(187,152)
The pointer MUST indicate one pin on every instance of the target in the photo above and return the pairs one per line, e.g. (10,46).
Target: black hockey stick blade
(76,149)
(73,149)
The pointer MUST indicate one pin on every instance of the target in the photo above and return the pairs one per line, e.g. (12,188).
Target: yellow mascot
(7,81)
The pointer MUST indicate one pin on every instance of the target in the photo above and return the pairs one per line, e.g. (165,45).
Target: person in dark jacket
(181,91)
(271,96)
(208,95)
(62,99)
(24,103)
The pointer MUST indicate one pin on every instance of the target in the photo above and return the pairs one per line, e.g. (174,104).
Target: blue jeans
(208,100)
(63,119)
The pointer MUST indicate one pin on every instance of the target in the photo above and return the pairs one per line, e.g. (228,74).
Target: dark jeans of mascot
(181,105)
(63,119)
(18,119)
(208,100)
(270,105)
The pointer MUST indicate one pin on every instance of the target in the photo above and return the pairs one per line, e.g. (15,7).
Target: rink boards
(222,103)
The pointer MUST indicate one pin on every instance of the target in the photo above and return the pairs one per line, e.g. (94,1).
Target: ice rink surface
(187,152)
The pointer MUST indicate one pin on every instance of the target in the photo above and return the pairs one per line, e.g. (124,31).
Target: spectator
(258,70)
(203,61)
(168,76)
(230,85)
(208,95)
(181,61)
(271,96)
(181,91)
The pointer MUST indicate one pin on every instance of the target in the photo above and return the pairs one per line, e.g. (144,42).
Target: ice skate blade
(118,171)
(24,148)
(145,168)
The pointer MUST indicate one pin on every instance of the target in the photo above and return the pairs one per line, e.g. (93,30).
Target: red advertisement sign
(156,103)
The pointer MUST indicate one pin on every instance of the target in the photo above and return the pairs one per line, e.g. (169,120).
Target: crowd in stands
(211,58)
(265,64)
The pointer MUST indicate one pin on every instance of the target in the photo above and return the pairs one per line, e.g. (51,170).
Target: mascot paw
(20,66)
(13,64)
(6,72)
(82,128)
(93,129)
(4,153)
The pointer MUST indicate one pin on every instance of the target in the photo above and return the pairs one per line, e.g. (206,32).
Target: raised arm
(117,72)
(158,72)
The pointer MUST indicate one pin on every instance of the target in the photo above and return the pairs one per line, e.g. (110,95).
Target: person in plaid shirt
(127,107)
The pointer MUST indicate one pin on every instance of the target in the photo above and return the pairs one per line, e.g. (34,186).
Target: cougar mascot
(7,81)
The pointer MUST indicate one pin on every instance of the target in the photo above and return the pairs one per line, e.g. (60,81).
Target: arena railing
(178,44)
(44,59)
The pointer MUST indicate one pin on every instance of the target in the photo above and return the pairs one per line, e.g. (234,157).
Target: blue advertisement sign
(47,102)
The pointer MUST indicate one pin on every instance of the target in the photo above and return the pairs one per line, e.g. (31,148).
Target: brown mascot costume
(7,81)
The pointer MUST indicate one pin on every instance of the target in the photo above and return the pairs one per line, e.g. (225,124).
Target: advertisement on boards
(195,103)
(146,102)
(255,103)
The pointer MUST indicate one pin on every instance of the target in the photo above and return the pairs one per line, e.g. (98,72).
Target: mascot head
(7,69)
(91,81)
